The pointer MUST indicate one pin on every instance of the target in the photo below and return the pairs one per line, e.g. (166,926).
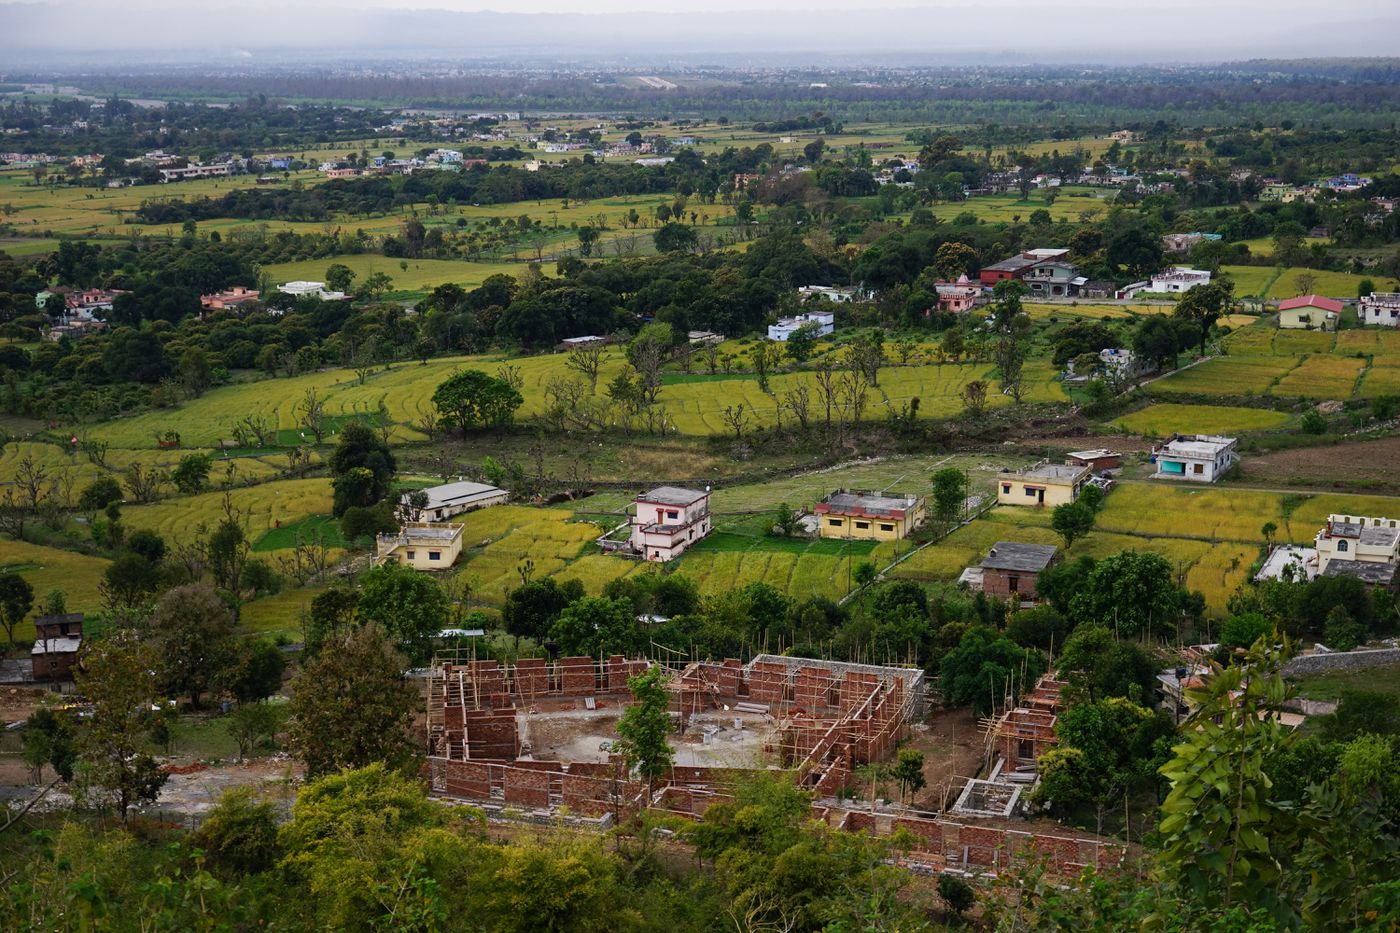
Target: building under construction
(536,740)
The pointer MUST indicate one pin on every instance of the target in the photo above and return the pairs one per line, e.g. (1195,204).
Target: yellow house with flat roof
(1045,484)
(421,545)
(868,516)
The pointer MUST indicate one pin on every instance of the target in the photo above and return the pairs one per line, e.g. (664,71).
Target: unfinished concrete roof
(1373,572)
(1369,535)
(1014,555)
(1054,473)
(1098,453)
(1199,445)
(862,503)
(672,495)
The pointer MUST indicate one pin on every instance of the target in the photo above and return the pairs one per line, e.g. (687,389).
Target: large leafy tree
(472,399)
(1107,749)
(1131,591)
(1097,666)
(408,605)
(351,706)
(985,667)
(360,448)
(16,599)
(1203,305)
(191,629)
(949,494)
(118,678)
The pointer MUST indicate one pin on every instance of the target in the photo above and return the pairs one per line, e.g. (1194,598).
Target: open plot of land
(422,275)
(1104,311)
(1167,419)
(1331,686)
(1321,376)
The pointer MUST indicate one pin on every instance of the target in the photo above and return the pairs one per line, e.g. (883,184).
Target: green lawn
(1167,419)
(285,536)
(1331,686)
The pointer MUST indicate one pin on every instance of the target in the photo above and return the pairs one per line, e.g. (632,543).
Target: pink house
(959,296)
(228,298)
(668,520)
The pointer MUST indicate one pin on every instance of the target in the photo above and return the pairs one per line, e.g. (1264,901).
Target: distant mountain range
(109,32)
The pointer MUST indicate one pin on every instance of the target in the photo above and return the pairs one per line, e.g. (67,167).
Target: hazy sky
(1119,31)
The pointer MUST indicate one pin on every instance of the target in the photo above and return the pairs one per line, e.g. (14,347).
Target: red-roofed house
(1309,312)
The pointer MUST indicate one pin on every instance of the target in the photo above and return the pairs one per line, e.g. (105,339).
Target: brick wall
(531,677)
(527,788)
(578,677)
(813,688)
(928,834)
(998,583)
(767,682)
(468,779)
(492,734)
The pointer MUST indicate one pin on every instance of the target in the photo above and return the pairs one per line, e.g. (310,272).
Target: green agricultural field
(1333,284)
(1167,419)
(1250,281)
(422,275)
(47,569)
(695,403)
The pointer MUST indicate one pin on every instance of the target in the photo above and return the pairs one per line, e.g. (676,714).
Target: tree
(974,397)
(1097,666)
(644,725)
(339,277)
(1223,837)
(191,474)
(957,894)
(802,342)
(99,494)
(1012,327)
(531,609)
(909,772)
(1132,592)
(128,581)
(675,238)
(148,544)
(239,835)
(118,680)
(1106,749)
(1202,305)
(985,669)
(360,447)
(1071,521)
(228,549)
(597,625)
(253,723)
(191,630)
(16,599)
(376,284)
(586,360)
(472,399)
(407,605)
(1155,341)
(351,706)
(785,521)
(949,495)
(587,236)
(255,671)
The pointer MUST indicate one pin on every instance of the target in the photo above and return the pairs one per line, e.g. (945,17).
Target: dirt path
(953,746)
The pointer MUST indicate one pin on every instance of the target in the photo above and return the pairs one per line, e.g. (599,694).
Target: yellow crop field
(1255,340)
(281,502)
(1164,509)
(47,569)
(1167,419)
(1227,375)
(1321,376)
(497,543)
(279,613)
(1381,379)
(1332,284)
(1095,311)
(1250,280)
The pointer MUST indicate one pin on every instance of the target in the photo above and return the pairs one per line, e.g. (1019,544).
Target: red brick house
(1011,570)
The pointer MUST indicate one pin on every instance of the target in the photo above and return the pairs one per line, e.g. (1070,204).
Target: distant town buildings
(196,170)
(302,289)
(229,298)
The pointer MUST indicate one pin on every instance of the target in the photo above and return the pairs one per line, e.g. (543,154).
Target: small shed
(1098,460)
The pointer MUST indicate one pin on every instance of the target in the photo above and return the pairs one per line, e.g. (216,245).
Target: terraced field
(47,569)
(1167,419)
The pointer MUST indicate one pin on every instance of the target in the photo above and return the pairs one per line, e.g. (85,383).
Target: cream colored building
(1359,539)
(421,545)
(868,516)
(1045,484)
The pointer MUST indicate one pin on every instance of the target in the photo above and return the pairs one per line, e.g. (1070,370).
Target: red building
(1017,267)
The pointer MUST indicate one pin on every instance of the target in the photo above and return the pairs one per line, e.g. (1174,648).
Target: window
(1006,489)
(886,527)
(1342,544)
(434,555)
(834,522)
(862,525)
(1198,468)
(1030,491)
(411,555)
(672,514)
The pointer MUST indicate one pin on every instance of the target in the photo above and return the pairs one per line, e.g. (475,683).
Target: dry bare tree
(799,401)
(311,413)
(587,360)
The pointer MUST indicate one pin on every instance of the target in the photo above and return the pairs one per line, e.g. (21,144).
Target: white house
(1122,363)
(786,327)
(1359,538)
(1200,458)
(1177,280)
(197,170)
(452,499)
(1381,309)
(837,293)
(669,519)
(311,290)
